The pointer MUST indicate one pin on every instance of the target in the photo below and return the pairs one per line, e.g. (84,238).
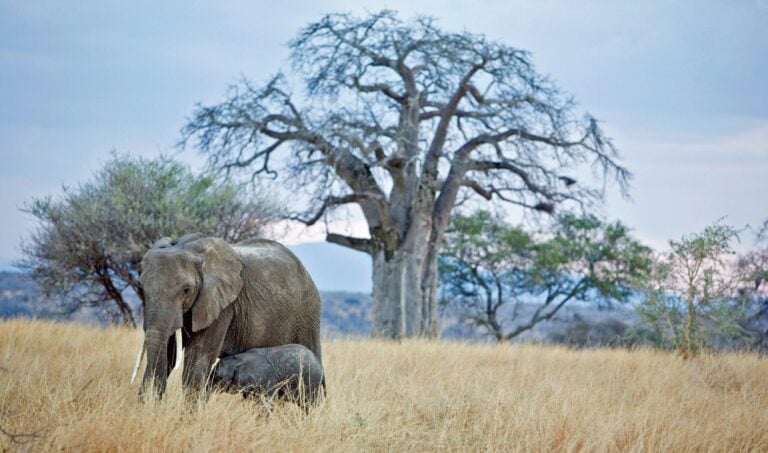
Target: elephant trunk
(162,348)
(179,354)
(156,373)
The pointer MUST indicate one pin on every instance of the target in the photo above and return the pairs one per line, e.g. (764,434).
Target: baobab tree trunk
(404,304)
(404,287)
(396,295)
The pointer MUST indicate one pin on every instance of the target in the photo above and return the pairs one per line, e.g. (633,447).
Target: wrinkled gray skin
(274,372)
(227,299)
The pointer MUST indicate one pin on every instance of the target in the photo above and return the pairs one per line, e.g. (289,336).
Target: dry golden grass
(70,384)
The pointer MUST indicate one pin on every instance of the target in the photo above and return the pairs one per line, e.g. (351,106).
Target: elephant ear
(221,282)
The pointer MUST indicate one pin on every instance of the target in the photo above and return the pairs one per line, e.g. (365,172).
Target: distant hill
(347,313)
(19,296)
(344,312)
(342,275)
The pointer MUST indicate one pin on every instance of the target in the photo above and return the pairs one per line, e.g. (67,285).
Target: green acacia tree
(89,241)
(753,269)
(489,268)
(691,296)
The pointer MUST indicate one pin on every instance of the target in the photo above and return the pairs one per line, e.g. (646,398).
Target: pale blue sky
(682,86)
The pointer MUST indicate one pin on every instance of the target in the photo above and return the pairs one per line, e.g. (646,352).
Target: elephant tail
(325,390)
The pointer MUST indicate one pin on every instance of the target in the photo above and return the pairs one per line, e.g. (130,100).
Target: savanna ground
(66,386)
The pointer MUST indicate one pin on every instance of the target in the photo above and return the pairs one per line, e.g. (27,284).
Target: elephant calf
(289,372)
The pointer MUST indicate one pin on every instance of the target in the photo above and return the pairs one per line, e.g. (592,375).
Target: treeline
(698,293)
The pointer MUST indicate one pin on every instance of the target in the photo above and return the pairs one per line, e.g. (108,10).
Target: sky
(681,86)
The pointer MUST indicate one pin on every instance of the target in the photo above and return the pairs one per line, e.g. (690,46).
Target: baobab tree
(404,120)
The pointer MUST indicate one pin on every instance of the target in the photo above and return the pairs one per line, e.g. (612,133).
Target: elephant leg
(203,350)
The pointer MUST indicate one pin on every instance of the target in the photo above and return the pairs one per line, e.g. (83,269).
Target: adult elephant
(226,299)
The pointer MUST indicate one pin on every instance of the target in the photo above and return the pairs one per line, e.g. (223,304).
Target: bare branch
(346,199)
(379,87)
(483,165)
(359,244)
(541,314)
(447,113)
(474,185)
(428,115)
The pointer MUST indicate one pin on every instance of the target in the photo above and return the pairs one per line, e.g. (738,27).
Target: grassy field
(65,386)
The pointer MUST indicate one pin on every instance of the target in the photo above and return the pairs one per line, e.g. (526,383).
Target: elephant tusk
(179,350)
(139,357)
(213,367)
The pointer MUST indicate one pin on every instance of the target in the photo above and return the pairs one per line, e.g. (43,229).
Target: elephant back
(279,303)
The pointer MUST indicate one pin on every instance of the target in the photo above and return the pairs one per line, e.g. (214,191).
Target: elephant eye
(187,290)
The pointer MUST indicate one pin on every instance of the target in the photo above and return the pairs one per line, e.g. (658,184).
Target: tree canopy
(89,242)
(691,296)
(490,269)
